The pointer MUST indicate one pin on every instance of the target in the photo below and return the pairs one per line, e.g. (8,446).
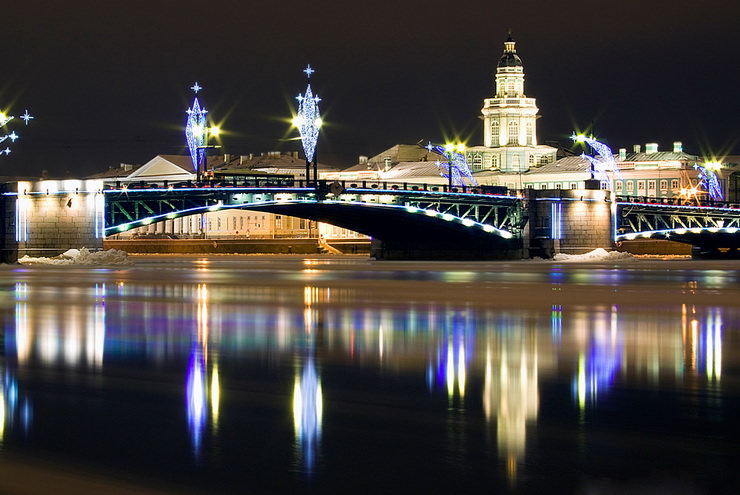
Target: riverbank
(239,246)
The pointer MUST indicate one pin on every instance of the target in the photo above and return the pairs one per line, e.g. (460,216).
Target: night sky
(108,82)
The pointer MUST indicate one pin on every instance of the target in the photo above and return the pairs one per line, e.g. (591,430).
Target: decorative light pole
(4,135)
(196,133)
(457,165)
(603,163)
(308,121)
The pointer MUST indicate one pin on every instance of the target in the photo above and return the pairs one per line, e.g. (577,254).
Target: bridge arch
(381,221)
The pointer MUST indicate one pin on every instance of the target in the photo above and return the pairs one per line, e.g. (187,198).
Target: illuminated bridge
(404,220)
(713,230)
(402,216)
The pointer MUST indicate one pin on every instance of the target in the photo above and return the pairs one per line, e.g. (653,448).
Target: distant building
(509,123)
(511,156)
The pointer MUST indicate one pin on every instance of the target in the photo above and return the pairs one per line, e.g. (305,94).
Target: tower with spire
(510,121)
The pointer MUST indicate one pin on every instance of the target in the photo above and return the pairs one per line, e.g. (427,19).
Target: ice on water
(82,256)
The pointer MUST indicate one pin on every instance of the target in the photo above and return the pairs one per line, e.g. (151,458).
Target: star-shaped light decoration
(195,87)
(308,70)
(26,116)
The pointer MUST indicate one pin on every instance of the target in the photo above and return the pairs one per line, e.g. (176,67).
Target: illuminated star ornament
(456,165)
(195,130)
(26,116)
(603,163)
(308,119)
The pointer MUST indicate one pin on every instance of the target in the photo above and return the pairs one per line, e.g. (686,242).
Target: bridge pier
(569,221)
(46,218)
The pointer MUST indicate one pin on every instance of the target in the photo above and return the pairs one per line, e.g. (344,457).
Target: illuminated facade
(509,122)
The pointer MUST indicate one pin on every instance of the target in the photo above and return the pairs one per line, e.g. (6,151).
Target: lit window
(663,185)
(494,133)
(674,184)
(513,132)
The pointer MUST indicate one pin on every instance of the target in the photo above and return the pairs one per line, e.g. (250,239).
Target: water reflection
(500,355)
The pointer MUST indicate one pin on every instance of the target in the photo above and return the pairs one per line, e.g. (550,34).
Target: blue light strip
(555,219)
(679,231)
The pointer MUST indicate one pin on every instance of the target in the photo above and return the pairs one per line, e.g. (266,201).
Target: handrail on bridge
(677,201)
(322,185)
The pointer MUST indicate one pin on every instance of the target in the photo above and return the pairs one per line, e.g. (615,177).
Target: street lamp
(451,149)
(308,121)
(197,134)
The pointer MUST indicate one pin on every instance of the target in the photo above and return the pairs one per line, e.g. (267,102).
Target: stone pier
(570,221)
(46,218)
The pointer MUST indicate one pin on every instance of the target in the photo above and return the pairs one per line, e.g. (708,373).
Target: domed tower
(510,117)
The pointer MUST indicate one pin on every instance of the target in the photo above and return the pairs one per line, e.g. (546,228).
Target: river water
(339,374)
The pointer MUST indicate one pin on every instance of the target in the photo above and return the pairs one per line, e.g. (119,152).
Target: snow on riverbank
(82,257)
(595,255)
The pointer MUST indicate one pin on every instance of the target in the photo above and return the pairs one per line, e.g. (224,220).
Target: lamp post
(308,121)
(451,149)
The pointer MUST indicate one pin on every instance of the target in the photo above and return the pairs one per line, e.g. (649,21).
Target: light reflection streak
(198,391)
(307,412)
(599,361)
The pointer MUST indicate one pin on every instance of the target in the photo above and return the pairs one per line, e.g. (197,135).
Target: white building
(509,122)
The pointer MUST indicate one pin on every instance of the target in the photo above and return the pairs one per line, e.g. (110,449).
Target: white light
(430,213)
(468,222)
(448,217)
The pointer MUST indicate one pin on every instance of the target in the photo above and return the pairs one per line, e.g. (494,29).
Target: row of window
(513,132)
(619,186)
(476,161)
(629,185)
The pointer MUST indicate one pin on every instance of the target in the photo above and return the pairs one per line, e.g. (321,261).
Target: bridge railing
(322,185)
(677,201)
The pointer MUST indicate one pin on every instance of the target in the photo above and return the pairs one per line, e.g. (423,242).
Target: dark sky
(108,82)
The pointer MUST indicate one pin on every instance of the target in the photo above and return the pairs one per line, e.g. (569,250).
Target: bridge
(405,220)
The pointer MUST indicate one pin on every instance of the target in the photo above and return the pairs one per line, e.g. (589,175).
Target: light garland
(12,136)
(603,163)
(456,165)
(308,118)
(708,180)
(195,130)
